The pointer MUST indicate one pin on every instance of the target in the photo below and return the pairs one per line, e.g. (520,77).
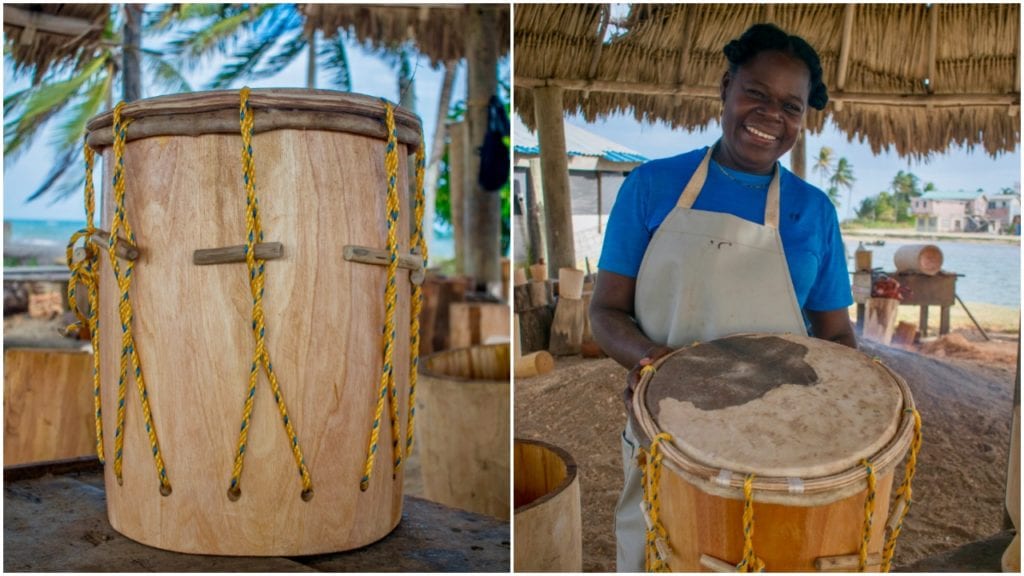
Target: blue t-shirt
(807,223)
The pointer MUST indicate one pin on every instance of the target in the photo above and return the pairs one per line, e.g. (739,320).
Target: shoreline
(857,234)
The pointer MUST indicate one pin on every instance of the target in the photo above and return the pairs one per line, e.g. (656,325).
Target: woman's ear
(726,79)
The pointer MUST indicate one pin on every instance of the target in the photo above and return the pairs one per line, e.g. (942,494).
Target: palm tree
(73,96)
(843,178)
(272,36)
(823,164)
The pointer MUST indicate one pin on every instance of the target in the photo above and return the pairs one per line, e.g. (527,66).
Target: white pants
(630,531)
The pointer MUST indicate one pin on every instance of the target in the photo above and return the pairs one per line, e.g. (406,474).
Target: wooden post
(131,76)
(436,152)
(798,155)
(598,201)
(533,228)
(555,172)
(456,183)
(483,208)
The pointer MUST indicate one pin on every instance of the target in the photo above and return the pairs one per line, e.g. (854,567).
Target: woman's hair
(761,37)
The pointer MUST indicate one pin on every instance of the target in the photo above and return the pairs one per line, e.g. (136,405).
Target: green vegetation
(838,176)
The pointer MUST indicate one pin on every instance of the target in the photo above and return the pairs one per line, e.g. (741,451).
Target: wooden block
(535,328)
(591,349)
(48,305)
(570,283)
(540,293)
(567,327)
(904,333)
(449,290)
(520,276)
(473,323)
(48,405)
(881,318)
(521,298)
(538,272)
(534,364)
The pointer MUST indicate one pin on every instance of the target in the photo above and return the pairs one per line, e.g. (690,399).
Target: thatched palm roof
(45,36)
(665,63)
(438,30)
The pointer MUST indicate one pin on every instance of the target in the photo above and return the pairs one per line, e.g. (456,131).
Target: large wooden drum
(323,186)
(790,440)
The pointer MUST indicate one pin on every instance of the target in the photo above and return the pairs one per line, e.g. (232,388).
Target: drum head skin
(775,405)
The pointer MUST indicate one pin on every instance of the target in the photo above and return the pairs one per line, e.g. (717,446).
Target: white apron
(705,275)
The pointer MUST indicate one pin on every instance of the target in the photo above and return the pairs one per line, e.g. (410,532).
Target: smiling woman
(694,252)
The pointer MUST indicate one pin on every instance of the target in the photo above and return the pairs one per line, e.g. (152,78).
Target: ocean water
(991,271)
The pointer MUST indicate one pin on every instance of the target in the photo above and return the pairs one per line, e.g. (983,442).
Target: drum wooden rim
(814,491)
(570,473)
(216,112)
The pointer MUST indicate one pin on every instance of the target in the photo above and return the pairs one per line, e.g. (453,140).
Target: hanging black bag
(494,158)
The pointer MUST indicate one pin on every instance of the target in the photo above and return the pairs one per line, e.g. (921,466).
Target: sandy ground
(964,391)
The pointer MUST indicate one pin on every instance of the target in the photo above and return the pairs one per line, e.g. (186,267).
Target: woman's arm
(833,325)
(613,324)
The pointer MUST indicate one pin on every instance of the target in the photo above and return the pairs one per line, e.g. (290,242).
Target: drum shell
(318,191)
(547,509)
(462,423)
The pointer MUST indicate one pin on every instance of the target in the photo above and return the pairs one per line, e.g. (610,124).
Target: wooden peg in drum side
(124,249)
(235,254)
(365,255)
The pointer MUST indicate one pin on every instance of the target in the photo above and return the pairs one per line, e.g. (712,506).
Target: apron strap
(696,183)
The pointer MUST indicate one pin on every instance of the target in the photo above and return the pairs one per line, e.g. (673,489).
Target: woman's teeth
(760,134)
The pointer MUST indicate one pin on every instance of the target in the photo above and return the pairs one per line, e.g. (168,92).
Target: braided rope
(651,482)
(86,272)
(418,241)
(750,561)
(261,356)
(387,377)
(905,492)
(869,512)
(128,348)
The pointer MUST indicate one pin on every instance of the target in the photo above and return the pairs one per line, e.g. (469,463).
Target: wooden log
(540,293)
(535,328)
(567,327)
(539,272)
(458,151)
(521,298)
(48,405)
(462,419)
(589,347)
(881,319)
(570,283)
(473,323)
(548,536)
(48,305)
(923,258)
(506,273)
(549,111)
(450,290)
(534,364)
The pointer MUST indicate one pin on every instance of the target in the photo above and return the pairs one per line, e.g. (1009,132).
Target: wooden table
(938,290)
(55,520)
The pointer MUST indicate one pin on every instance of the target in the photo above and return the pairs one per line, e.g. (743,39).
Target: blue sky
(370,75)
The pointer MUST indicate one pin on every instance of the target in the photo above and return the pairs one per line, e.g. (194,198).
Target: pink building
(1002,208)
(952,212)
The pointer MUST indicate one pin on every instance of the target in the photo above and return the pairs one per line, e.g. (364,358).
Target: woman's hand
(633,378)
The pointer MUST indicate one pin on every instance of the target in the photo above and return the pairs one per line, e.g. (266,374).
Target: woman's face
(763,109)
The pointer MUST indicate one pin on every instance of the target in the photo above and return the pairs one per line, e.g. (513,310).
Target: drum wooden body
(321,185)
(547,502)
(462,423)
(798,413)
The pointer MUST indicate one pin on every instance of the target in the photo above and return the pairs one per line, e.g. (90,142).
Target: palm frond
(248,58)
(219,36)
(285,55)
(48,96)
(60,167)
(164,74)
(336,62)
(71,131)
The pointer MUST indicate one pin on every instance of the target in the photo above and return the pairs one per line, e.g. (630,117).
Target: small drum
(773,451)
(254,431)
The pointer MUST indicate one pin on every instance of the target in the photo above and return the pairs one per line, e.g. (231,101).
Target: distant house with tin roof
(597,169)
(1002,208)
(958,211)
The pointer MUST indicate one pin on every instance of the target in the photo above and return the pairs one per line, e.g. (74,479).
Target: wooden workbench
(925,291)
(55,520)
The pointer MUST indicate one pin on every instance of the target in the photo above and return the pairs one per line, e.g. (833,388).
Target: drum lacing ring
(903,495)
(387,377)
(656,557)
(86,272)
(124,308)
(261,356)
(869,511)
(750,561)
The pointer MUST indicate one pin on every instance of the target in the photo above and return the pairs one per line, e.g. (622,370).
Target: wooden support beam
(938,100)
(844,50)
(49,23)
(554,162)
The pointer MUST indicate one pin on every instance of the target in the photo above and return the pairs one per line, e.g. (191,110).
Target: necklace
(740,182)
